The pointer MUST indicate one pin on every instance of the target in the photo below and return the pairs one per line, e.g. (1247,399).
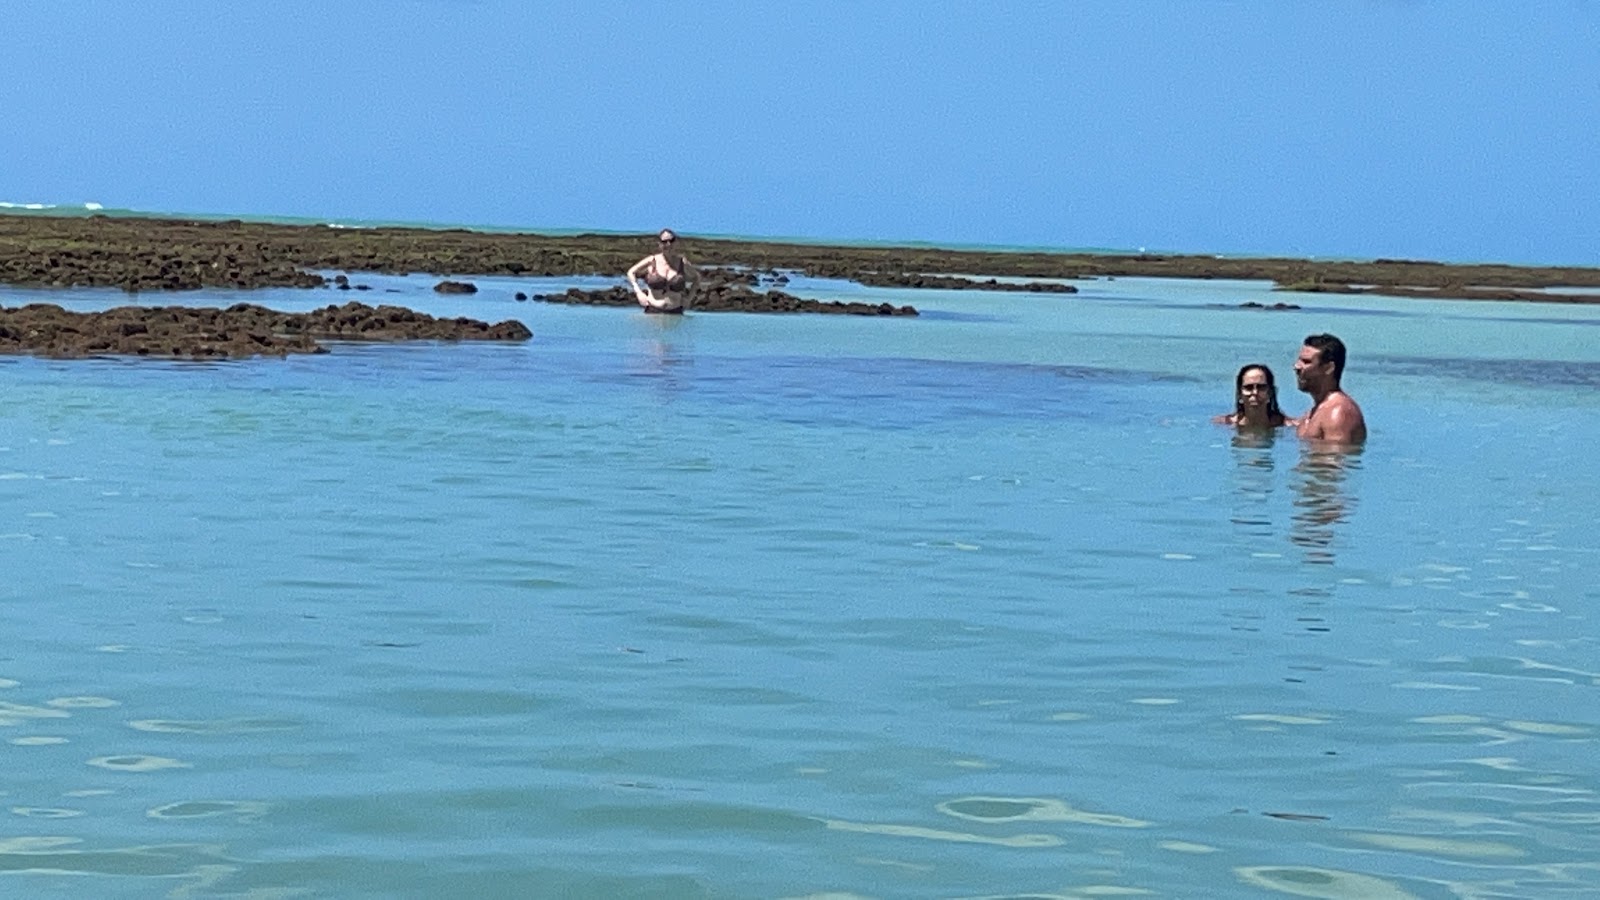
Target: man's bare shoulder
(1337,418)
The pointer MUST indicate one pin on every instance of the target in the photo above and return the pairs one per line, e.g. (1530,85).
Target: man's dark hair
(1329,349)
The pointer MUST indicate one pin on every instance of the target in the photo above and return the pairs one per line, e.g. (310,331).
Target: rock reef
(957,283)
(1450,292)
(723,296)
(241,330)
(143,254)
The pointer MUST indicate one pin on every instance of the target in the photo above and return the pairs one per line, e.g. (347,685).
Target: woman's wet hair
(1274,414)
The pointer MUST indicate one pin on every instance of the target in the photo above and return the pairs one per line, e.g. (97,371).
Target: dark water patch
(317,585)
(902,393)
(442,703)
(481,876)
(920,634)
(681,818)
(934,315)
(722,697)
(727,631)
(1289,309)
(992,809)
(532,584)
(872,392)
(1241,306)
(1537,320)
(1352,312)
(932,370)
(1526,372)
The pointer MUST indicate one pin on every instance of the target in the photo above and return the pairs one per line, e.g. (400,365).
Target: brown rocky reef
(957,283)
(241,330)
(731,293)
(140,254)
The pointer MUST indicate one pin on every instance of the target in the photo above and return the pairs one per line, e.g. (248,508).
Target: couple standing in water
(1333,418)
(670,280)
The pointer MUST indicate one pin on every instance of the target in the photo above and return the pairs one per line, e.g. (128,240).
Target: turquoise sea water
(977,604)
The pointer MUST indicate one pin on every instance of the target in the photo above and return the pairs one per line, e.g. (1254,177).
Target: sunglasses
(1252,388)
(667,240)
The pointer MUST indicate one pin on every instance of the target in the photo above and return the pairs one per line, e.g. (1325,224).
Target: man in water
(1334,416)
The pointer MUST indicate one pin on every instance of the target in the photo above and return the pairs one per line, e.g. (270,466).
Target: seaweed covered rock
(145,254)
(733,297)
(241,330)
(959,283)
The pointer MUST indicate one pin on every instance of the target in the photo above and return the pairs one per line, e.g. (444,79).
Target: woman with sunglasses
(670,280)
(1255,403)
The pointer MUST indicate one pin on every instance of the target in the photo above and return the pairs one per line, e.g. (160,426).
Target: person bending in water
(1255,400)
(1334,417)
(670,280)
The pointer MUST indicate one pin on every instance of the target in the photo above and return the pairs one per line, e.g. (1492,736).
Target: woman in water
(670,280)
(1255,400)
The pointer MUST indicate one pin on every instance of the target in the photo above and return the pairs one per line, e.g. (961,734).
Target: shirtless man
(1334,417)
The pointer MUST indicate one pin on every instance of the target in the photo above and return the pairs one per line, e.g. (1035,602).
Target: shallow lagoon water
(975,604)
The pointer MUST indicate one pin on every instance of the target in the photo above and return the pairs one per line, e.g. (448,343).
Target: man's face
(1309,368)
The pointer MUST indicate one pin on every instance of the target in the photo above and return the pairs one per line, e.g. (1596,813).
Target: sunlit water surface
(974,604)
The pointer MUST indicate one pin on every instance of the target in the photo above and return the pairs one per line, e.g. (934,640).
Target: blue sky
(1440,130)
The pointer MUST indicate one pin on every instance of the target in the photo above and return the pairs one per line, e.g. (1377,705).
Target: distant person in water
(1334,417)
(1255,400)
(670,280)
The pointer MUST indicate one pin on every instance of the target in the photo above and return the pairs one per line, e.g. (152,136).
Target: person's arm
(692,275)
(633,280)
(1226,419)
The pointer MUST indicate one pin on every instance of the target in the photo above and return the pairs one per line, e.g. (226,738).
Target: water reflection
(1253,477)
(1321,500)
(665,355)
